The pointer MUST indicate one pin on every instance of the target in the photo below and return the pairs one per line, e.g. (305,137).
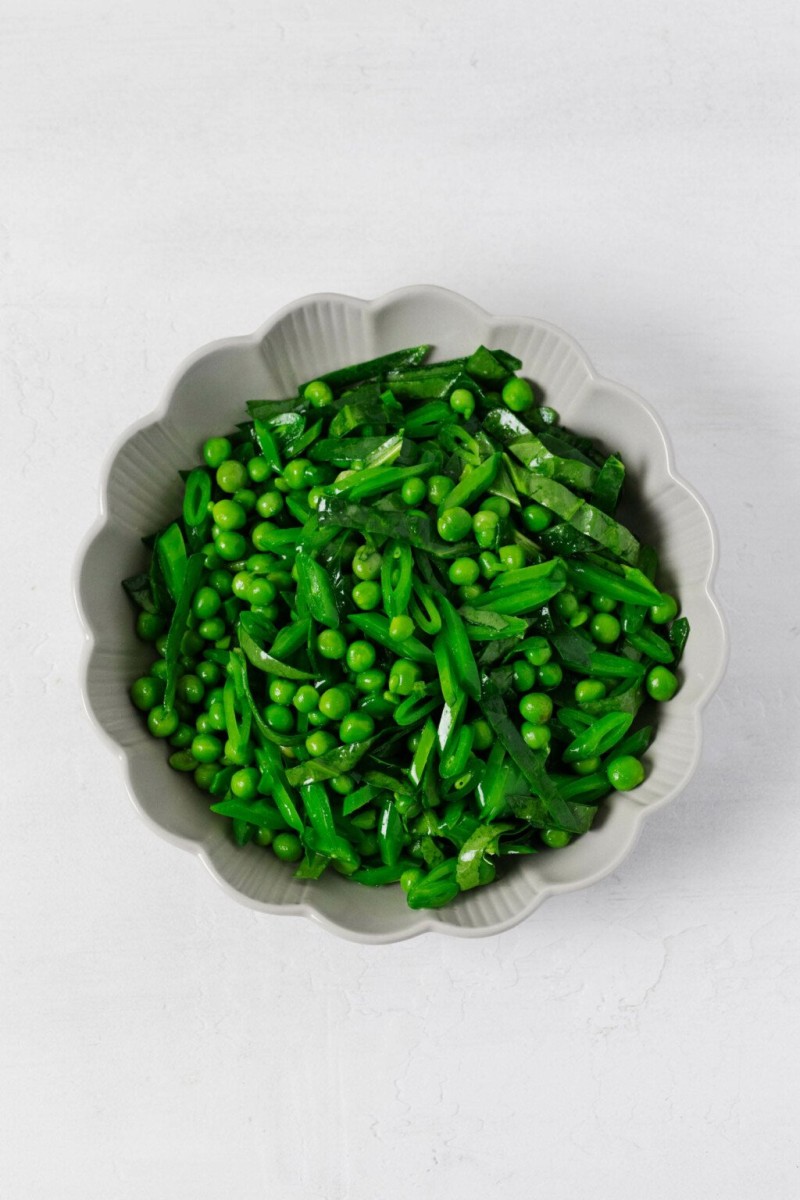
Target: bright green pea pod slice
(454,762)
(515,601)
(178,623)
(549,569)
(632,587)
(599,737)
(414,709)
(423,609)
(170,548)
(482,841)
(289,639)
(437,888)
(472,485)
(493,785)
(446,670)
(315,585)
(485,365)
(428,419)
(332,846)
(423,752)
(397,574)
(678,634)
(238,734)
(256,812)
(267,445)
(390,833)
(196,497)
(608,485)
(373,368)
(358,798)
(651,644)
(381,876)
(376,627)
(248,631)
(464,666)
(318,809)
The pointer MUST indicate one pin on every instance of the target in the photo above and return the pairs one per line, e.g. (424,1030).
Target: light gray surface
(175,172)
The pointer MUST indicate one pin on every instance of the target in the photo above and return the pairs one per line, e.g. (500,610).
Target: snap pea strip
(401,633)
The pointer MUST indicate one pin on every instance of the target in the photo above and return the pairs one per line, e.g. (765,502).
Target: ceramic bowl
(140,492)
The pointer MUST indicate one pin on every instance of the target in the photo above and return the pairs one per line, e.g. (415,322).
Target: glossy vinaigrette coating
(398,631)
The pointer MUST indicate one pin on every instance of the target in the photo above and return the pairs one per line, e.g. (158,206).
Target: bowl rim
(425,922)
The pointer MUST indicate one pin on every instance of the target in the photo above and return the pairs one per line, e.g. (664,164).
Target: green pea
(318,394)
(366,564)
(282,691)
(209,673)
(294,473)
(279,718)
(517,394)
(190,689)
(536,708)
(260,592)
(220,581)
(230,545)
(370,681)
(331,644)
(206,748)
(470,592)
(213,629)
(402,677)
(216,716)
(147,692)
(439,486)
(228,514)
(496,504)
(665,611)
(206,603)
(237,756)
(535,736)
(454,524)
(317,719)
(231,475)
(587,690)
(334,703)
(489,564)
(550,675)
(462,402)
(360,656)
(535,518)
(605,628)
(587,766)
(162,722)
(463,572)
(319,742)
(149,626)
(205,774)
(306,698)
(413,491)
(246,499)
(661,683)
(604,604)
(512,557)
(341,784)
(367,595)
(258,468)
(482,735)
(216,451)
(264,835)
(485,526)
(556,839)
(566,604)
(625,773)
(182,760)
(269,504)
(524,675)
(356,727)
(244,783)
(287,847)
(538,651)
(401,628)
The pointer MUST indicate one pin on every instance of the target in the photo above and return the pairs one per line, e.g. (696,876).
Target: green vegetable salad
(398,631)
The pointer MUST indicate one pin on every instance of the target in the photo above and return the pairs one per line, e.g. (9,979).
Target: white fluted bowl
(141,491)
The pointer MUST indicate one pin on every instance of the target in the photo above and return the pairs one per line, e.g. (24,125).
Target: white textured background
(174,171)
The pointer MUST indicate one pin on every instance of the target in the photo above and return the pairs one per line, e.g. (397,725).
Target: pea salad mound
(398,631)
